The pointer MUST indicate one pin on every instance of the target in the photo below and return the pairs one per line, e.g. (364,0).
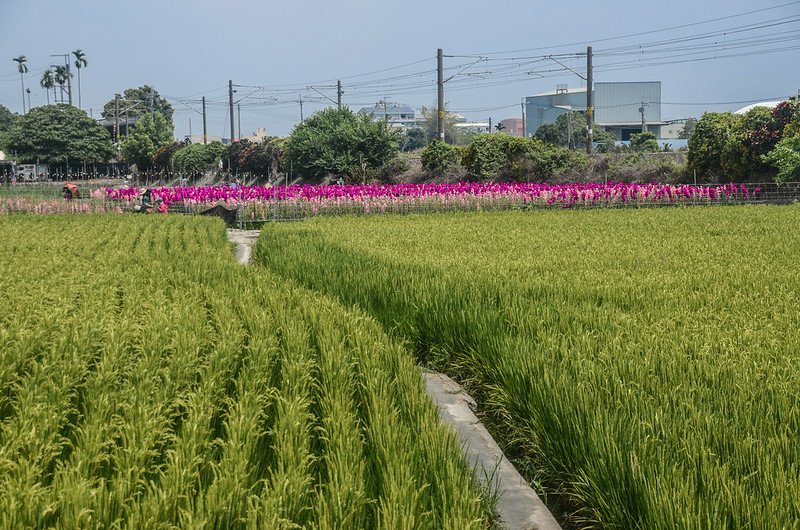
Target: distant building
(618,107)
(476,127)
(396,114)
(198,139)
(672,129)
(259,136)
(766,104)
(512,126)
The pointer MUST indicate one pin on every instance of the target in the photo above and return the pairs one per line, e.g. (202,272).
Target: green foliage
(550,134)
(7,119)
(163,157)
(196,159)
(597,343)
(504,157)
(606,141)
(644,142)
(439,158)
(707,142)
(688,128)
(261,159)
(568,125)
(147,95)
(59,134)
(149,135)
(786,157)
(430,124)
(338,142)
(413,139)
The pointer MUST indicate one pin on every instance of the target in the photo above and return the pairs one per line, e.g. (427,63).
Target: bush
(707,143)
(507,157)
(439,158)
(340,143)
(786,157)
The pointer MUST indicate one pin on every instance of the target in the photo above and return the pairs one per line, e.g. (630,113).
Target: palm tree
(61,76)
(23,69)
(80,62)
(47,82)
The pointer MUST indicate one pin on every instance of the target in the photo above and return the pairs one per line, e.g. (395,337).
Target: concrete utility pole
(339,95)
(302,119)
(205,133)
(490,124)
(589,101)
(522,106)
(116,118)
(230,105)
(641,110)
(440,105)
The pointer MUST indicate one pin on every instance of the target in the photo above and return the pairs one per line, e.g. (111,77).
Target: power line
(638,34)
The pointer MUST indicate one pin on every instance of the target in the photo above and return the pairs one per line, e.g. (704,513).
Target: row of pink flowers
(564,195)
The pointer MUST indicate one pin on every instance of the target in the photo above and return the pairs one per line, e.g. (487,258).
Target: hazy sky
(187,49)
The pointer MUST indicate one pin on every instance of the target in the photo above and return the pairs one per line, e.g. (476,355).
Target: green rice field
(642,366)
(147,380)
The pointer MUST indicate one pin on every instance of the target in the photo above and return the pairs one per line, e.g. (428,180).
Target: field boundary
(518,506)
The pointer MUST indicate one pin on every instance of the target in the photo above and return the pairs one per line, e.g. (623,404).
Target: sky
(709,55)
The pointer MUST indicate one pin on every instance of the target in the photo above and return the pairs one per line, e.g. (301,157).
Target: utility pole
(116,119)
(522,106)
(239,118)
(205,134)
(490,125)
(230,104)
(641,110)
(301,108)
(28,90)
(589,107)
(440,83)
(69,80)
(339,95)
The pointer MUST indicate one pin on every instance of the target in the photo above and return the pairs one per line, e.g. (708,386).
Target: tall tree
(147,137)
(22,67)
(47,82)
(338,142)
(80,62)
(148,101)
(59,135)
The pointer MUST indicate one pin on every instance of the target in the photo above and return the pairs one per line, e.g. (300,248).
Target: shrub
(707,142)
(439,158)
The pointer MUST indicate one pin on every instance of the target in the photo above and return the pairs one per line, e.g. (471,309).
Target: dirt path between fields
(518,506)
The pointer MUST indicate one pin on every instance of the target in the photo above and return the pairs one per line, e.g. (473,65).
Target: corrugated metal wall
(620,102)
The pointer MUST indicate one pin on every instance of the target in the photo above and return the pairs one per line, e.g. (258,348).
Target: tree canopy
(59,135)
(147,137)
(339,142)
(196,159)
(7,119)
(568,126)
(149,98)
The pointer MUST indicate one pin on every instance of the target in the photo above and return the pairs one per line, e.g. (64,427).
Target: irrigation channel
(518,505)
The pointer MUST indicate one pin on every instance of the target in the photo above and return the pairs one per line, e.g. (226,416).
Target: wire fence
(46,198)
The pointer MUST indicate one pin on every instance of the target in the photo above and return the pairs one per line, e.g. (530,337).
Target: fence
(46,198)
